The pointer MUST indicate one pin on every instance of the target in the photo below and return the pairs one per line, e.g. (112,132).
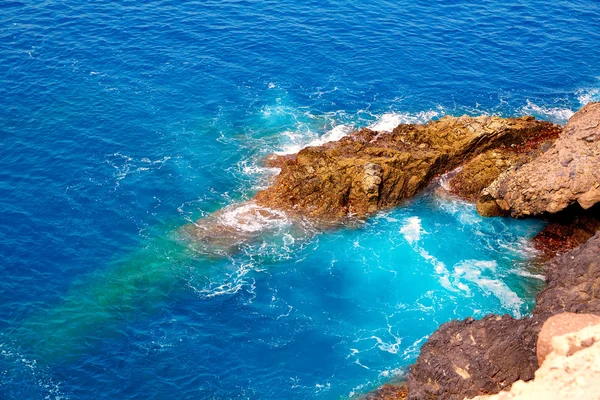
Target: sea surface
(120,122)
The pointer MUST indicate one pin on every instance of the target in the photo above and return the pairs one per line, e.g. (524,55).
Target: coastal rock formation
(573,281)
(565,174)
(474,357)
(570,371)
(484,169)
(368,171)
(479,173)
(469,357)
(558,325)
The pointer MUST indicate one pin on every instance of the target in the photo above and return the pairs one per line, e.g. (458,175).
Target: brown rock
(474,357)
(573,281)
(482,170)
(369,171)
(565,174)
(559,325)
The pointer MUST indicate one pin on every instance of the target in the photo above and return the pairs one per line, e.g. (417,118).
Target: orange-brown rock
(565,174)
(389,392)
(368,171)
(484,169)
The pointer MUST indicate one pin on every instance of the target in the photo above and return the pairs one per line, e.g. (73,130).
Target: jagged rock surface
(484,169)
(571,371)
(474,357)
(388,392)
(565,174)
(573,281)
(368,170)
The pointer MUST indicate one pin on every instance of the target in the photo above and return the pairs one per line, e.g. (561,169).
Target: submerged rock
(368,171)
(565,174)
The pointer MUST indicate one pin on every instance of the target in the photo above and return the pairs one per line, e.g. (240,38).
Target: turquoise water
(123,122)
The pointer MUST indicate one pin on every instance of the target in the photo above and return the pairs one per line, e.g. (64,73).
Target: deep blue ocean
(122,121)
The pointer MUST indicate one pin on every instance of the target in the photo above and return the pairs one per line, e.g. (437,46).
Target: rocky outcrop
(479,173)
(565,174)
(469,358)
(571,370)
(484,169)
(573,281)
(558,325)
(368,171)
(474,357)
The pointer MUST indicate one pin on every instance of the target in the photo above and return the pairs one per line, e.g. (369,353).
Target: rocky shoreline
(517,167)
(469,358)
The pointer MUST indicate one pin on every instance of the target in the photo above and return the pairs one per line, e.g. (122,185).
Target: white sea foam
(250,217)
(412,229)
(334,134)
(588,95)
(475,271)
(391,348)
(388,121)
(306,133)
(555,114)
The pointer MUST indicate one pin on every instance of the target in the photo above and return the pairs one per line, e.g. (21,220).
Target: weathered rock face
(484,169)
(558,325)
(480,172)
(570,371)
(469,358)
(368,170)
(565,174)
(573,281)
(474,357)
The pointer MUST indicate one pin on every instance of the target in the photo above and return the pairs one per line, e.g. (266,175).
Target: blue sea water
(122,121)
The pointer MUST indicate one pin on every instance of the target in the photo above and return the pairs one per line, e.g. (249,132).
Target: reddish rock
(559,325)
(389,392)
(567,230)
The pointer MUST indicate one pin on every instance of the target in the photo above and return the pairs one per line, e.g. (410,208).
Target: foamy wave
(332,135)
(411,230)
(554,114)
(588,95)
(388,121)
(473,271)
(251,217)
(305,135)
